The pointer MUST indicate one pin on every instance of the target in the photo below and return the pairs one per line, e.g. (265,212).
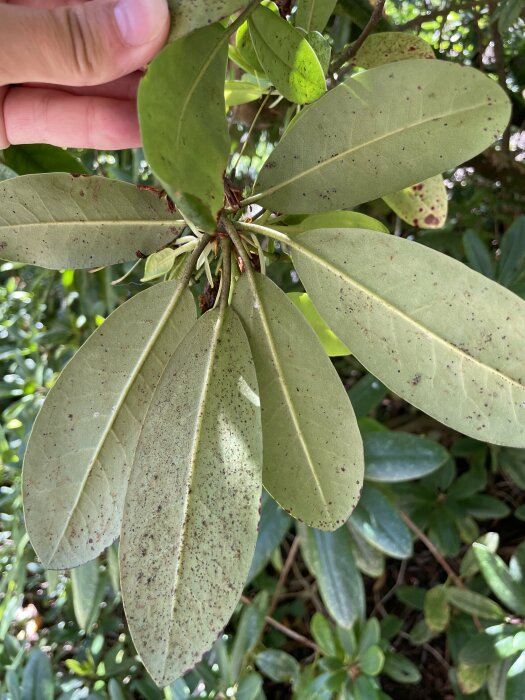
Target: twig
(435,553)
(286,630)
(226,273)
(232,28)
(284,574)
(377,14)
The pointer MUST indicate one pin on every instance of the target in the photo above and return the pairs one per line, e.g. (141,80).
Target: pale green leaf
(87,593)
(183,121)
(322,47)
(331,219)
(191,511)
(393,300)
(330,342)
(471,678)
(474,604)
(392,457)
(238,92)
(278,665)
(368,558)
(371,662)
(340,583)
(6,173)
(245,50)
(401,669)
(437,611)
(313,15)
(379,523)
(85,436)
(187,15)
(312,447)
(419,116)
(388,47)
(60,221)
(289,61)
(159,264)
(498,578)
(424,205)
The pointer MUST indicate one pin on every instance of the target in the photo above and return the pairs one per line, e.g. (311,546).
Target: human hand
(69,69)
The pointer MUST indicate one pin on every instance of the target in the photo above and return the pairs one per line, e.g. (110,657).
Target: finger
(121,89)
(36,115)
(82,44)
(43,4)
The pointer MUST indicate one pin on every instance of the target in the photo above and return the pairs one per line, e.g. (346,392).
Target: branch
(354,47)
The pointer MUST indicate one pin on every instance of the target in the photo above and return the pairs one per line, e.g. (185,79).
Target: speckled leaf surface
(389,47)
(183,122)
(443,337)
(187,15)
(313,15)
(191,511)
(286,56)
(313,458)
(380,131)
(60,221)
(82,446)
(424,205)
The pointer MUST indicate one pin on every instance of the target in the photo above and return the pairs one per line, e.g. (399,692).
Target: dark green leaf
(273,526)
(478,255)
(392,457)
(41,158)
(313,15)
(278,665)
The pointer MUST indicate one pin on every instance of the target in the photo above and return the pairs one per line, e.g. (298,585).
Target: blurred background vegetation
(360,614)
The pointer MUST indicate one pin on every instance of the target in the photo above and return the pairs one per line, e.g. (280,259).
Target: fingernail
(140,21)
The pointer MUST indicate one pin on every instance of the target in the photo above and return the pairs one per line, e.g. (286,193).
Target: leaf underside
(313,459)
(187,15)
(191,510)
(441,336)
(380,131)
(60,221)
(85,436)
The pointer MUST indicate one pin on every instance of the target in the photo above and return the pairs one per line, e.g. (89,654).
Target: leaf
(437,611)
(340,583)
(250,687)
(391,300)
(85,436)
(471,678)
(191,509)
(369,560)
(478,256)
(497,680)
(393,457)
(187,15)
(512,464)
(6,173)
(37,680)
(333,219)
(245,50)
(498,578)
(372,661)
(287,58)
(424,205)
(479,650)
(313,15)
(273,526)
(509,13)
(473,603)
(516,679)
(59,221)
(333,347)
(87,593)
(366,395)
(312,447)
(183,121)
(159,264)
(399,113)
(512,258)
(379,523)
(323,634)
(249,631)
(388,47)
(400,669)
(31,159)
(238,92)
(322,48)
(278,665)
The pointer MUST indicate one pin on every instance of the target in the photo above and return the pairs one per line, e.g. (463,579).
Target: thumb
(85,44)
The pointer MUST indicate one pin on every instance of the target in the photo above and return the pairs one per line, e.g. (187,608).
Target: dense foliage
(395,567)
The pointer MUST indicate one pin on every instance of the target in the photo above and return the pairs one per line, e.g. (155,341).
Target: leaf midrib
(88,222)
(195,449)
(109,427)
(286,394)
(323,262)
(348,151)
